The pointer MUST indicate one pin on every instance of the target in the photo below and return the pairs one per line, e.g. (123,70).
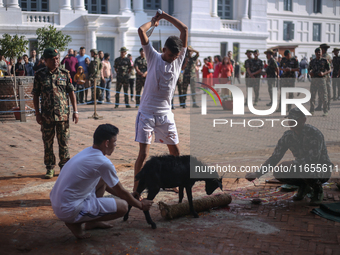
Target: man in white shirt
(154,114)
(77,196)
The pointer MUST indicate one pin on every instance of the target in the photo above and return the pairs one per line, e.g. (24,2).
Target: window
(34,5)
(96,6)
(287,5)
(152,4)
(225,9)
(171,7)
(224,48)
(330,32)
(316,32)
(317,6)
(288,31)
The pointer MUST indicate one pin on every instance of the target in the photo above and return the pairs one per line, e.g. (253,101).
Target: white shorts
(94,207)
(163,126)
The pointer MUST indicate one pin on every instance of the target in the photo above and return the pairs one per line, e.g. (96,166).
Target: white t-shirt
(160,82)
(78,179)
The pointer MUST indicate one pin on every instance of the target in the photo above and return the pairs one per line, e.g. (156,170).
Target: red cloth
(226,70)
(205,70)
(207,77)
(217,70)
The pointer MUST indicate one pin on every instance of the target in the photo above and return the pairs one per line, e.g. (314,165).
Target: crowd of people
(285,71)
(85,70)
(25,66)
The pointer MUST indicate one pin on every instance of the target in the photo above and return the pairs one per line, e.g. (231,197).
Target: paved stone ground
(28,225)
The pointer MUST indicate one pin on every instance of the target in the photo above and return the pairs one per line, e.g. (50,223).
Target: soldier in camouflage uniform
(189,76)
(94,71)
(122,66)
(141,67)
(255,74)
(319,68)
(289,65)
(272,73)
(308,147)
(336,74)
(326,56)
(53,86)
(180,89)
(247,66)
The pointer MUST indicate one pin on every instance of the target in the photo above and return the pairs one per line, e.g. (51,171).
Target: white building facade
(304,24)
(215,26)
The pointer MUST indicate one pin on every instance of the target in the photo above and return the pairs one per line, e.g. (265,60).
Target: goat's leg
(191,206)
(151,196)
(136,195)
(180,194)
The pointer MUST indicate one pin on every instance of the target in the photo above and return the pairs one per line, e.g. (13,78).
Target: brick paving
(28,225)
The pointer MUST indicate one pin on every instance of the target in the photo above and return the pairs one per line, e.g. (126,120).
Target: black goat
(169,172)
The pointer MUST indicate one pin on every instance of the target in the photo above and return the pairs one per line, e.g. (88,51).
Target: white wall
(113,6)
(53,6)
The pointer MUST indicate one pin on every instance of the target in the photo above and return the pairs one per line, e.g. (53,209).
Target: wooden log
(174,211)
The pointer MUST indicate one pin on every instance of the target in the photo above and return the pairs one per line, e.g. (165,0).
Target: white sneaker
(132,99)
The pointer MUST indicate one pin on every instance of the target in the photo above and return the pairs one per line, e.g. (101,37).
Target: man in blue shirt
(81,59)
(28,67)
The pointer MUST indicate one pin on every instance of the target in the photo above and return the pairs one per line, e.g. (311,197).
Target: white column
(92,39)
(79,5)
(138,6)
(12,4)
(245,10)
(122,31)
(1,3)
(65,5)
(125,6)
(213,10)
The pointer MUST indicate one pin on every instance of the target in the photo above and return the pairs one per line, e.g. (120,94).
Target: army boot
(49,174)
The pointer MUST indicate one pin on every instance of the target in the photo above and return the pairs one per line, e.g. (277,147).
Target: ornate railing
(230,24)
(40,18)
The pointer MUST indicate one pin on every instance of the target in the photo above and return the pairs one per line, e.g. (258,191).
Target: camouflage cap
(256,51)
(286,52)
(122,49)
(269,51)
(50,53)
(324,45)
(335,49)
(317,49)
(141,49)
(94,51)
(250,51)
(295,114)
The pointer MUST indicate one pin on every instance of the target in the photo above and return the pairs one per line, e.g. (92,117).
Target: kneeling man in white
(77,196)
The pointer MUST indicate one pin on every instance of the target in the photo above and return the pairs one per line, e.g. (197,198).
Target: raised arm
(179,25)
(155,22)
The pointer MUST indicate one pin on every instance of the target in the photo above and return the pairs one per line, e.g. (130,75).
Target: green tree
(50,37)
(13,47)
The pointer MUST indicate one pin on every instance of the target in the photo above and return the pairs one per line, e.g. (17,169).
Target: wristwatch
(76,112)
